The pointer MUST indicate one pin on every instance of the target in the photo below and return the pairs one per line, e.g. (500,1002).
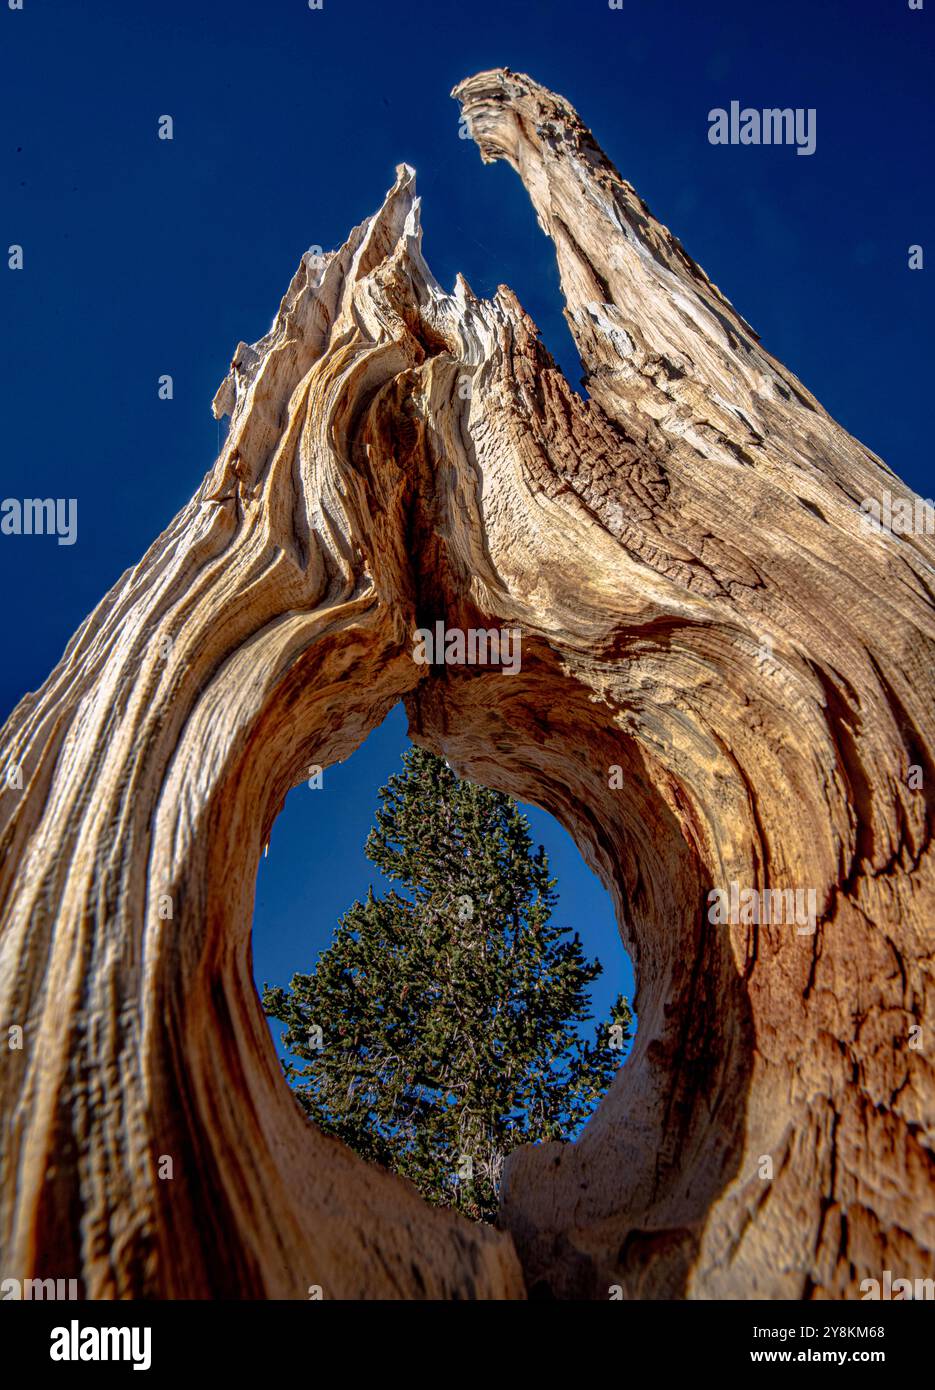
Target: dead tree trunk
(726,679)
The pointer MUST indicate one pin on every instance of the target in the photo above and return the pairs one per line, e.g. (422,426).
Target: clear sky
(145,257)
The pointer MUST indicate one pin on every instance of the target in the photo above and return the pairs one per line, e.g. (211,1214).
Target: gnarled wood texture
(700,608)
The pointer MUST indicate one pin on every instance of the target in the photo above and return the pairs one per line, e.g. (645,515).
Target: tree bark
(726,678)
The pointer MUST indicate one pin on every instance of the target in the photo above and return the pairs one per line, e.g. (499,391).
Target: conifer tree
(440,1029)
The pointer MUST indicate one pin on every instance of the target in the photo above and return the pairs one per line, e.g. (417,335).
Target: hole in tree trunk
(317,868)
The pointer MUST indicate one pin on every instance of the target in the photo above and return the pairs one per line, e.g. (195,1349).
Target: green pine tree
(449,1016)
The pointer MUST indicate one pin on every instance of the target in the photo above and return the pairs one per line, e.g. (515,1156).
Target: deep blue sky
(145,257)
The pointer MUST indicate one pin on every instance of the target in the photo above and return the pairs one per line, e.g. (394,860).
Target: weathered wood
(701,609)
